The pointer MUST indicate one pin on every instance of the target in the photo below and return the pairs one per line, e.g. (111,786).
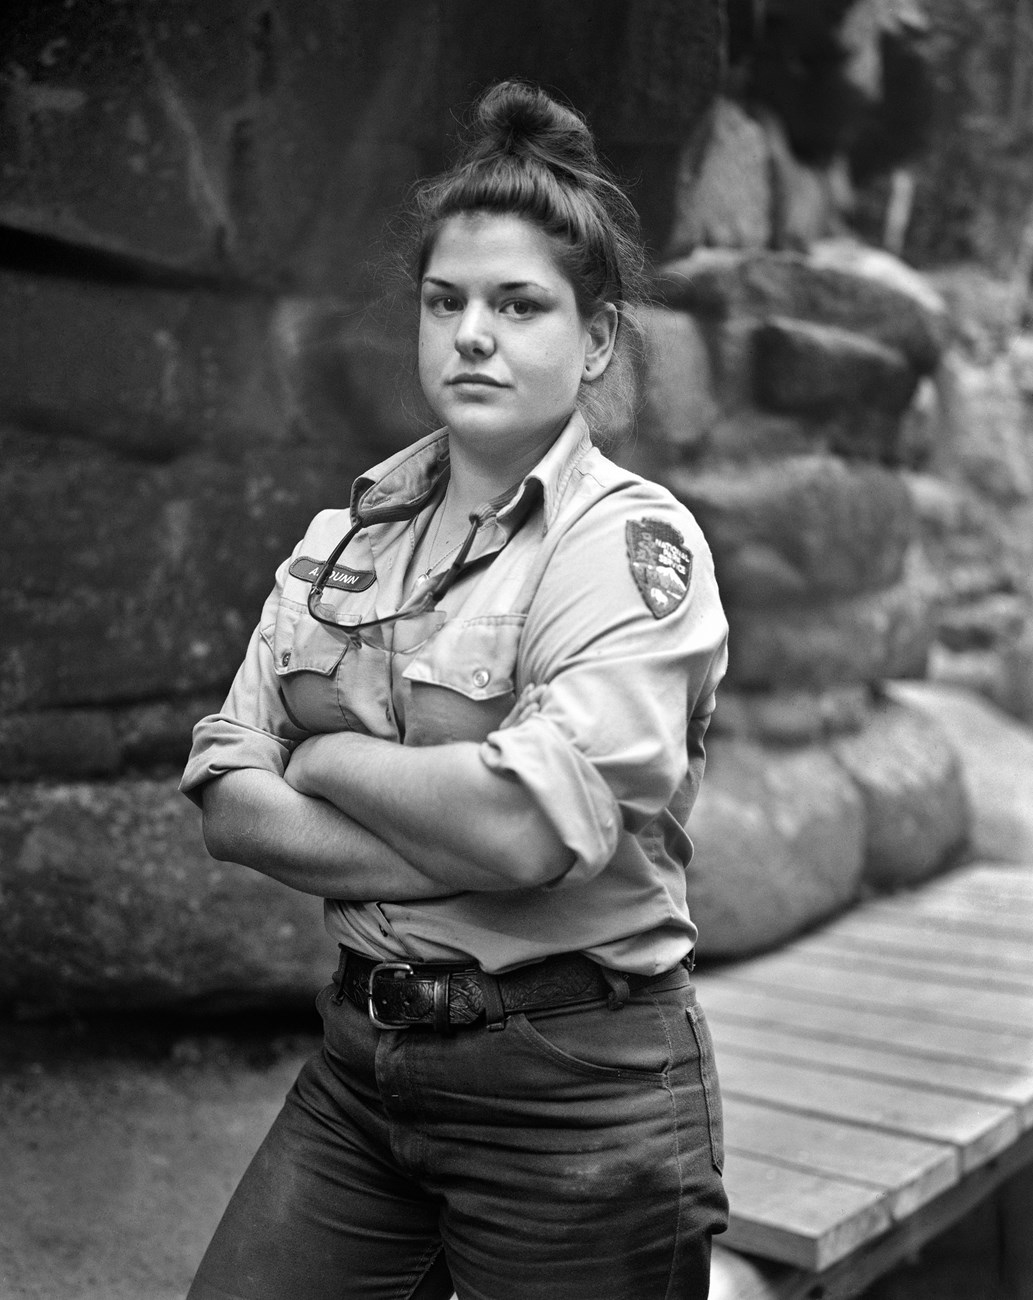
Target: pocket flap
(475,657)
(301,645)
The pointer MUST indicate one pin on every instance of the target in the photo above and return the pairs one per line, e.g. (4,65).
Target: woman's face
(503,348)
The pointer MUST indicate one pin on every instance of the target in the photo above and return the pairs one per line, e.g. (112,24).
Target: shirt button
(285,658)
(481,677)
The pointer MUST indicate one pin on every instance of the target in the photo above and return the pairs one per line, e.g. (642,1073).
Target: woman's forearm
(255,818)
(437,805)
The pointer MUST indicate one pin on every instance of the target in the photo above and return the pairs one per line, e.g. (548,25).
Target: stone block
(229,140)
(724,200)
(747,434)
(819,369)
(70,743)
(992,426)
(152,372)
(678,407)
(791,717)
(111,901)
(801,528)
(352,373)
(865,638)
(900,312)
(129,581)
(780,841)
(910,778)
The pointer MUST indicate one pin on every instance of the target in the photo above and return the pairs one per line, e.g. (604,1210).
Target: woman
(471,718)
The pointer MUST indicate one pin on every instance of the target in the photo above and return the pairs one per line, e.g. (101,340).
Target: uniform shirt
(601,590)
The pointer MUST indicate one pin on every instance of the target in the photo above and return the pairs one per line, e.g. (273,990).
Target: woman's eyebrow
(507,286)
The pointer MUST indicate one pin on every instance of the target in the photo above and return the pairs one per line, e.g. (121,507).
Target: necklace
(432,562)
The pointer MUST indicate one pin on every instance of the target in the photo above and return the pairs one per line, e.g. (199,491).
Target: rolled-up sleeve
(253,728)
(628,692)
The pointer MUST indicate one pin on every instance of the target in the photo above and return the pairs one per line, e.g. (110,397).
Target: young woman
(471,718)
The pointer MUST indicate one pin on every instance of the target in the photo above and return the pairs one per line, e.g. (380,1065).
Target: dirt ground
(120,1141)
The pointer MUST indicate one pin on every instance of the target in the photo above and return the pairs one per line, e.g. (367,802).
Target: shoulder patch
(660,564)
(342,578)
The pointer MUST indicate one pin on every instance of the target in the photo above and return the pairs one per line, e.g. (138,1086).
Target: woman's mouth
(475,378)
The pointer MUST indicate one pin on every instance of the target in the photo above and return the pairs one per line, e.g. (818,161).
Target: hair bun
(519,120)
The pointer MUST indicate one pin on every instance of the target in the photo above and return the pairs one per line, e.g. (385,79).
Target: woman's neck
(474,481)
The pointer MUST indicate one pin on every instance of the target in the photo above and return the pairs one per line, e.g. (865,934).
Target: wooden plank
(953,932)
(864,986)
(973,1079)
(985,917)
(982,880)
(877,933)
(979,1129)
(744,1277)
(722,998)
(900,965)
(986,967)
(908,1171)
(804,1219)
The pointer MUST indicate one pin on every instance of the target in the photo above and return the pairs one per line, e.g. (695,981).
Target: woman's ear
(602,335)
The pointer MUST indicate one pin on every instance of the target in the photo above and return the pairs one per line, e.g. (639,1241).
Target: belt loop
(494,1009)
(342,966)
(441,991)
(620,989)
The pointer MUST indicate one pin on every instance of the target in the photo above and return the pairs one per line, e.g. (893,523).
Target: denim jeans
(572,1155)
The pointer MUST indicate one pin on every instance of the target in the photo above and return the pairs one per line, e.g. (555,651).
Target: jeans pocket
(708,1078)
(629,1045)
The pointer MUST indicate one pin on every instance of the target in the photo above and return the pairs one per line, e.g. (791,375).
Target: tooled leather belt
(438,996)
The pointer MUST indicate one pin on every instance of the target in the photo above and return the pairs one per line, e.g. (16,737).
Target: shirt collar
(401,485)
(549,478)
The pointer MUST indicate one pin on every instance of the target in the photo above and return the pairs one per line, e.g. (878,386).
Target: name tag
(342,578)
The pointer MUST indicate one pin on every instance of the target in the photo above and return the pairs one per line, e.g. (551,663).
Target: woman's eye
(521,307)
(444,305)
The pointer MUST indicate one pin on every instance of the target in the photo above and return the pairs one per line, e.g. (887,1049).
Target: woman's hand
(529,702)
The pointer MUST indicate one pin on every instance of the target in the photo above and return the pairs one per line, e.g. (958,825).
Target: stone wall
(782,410)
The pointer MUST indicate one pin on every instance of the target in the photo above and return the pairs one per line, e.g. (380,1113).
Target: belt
(439,996)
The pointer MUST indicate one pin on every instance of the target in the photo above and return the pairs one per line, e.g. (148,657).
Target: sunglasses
(416,621)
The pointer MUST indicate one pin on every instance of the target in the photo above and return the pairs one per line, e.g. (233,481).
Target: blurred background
(203,340)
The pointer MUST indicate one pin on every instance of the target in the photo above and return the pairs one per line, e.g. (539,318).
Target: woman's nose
(474,337)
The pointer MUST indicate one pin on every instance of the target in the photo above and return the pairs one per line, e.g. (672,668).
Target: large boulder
(855,294)
(910,778)
(111,901)
(724,199)
(813,369)
(996,756)
(780,844)
(678,404)
(816,644)
(801,528)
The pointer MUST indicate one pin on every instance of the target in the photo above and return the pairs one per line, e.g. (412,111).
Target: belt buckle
(396,968)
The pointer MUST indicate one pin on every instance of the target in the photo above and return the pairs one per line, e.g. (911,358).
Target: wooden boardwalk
(878,1069)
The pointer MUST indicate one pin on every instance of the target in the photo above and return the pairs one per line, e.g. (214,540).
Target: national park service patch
(660,564)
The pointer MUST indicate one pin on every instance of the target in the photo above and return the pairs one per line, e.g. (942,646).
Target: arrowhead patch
(660,564)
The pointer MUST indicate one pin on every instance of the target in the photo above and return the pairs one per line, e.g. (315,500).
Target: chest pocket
(463,683)
(306,657)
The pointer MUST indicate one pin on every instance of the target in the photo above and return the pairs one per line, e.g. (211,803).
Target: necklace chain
(432,542)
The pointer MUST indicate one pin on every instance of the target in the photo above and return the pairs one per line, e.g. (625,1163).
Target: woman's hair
(526,155)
